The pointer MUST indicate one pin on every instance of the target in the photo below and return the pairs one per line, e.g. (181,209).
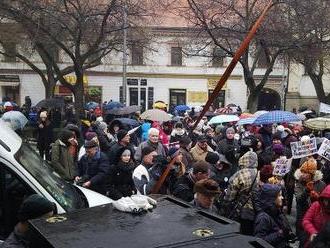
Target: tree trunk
(318,85)
(79,99)
(252,103)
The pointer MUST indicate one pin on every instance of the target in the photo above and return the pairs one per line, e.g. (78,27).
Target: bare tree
(310,28)
(225,23)
(84,31)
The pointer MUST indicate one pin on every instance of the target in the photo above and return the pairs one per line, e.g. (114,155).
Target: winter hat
(34,207)
(202,138)
(200,166)
(207,128)
(173,152)
(65,135)
(218,129)
(278,149)
(289,139)
(268,193)
(178,125)
(280,128)
(212,157)
(207,187)
(121,134)
(90,143)
(185,141)
(223,159)
(73,128)
(146,151)
(120,153)
(90,135)
(230,129)
(309,166)
(102,125)
(266,172)
(43,114)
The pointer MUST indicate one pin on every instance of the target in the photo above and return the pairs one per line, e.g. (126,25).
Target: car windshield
(64,193)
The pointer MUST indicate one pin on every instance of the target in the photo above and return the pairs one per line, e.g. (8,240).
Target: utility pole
(124,54)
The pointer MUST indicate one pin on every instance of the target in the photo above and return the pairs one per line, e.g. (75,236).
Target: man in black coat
(184,186)
(123,142)
(93,168)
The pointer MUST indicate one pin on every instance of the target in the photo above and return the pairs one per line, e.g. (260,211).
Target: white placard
(324,150)
(302,149)
(324,108)
(282,166)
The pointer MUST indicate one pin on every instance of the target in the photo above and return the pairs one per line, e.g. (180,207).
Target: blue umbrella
(91,105)
(182,108)
(276,116)
(128,121)
(113,105)
(246,121)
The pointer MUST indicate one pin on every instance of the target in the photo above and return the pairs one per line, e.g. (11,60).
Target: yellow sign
(197,96)
(212,83)
(72,79)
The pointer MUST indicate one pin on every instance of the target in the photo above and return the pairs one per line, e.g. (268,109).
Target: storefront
(10,88)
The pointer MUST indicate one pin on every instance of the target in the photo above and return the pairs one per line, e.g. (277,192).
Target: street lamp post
(124,54)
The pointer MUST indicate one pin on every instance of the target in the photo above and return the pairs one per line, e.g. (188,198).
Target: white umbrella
(223,118)
(155,115)
(16,119)
(260,112)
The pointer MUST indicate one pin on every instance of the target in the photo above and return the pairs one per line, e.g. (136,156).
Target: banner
(324,150)
(324,108)
(282,166)
(302,149)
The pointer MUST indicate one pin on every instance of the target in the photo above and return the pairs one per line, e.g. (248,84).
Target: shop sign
(197,96)
(212,83)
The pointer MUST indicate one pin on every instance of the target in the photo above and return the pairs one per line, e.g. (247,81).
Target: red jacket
(315,216)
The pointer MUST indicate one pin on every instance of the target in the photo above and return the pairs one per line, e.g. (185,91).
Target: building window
(150,97)
(176,56)
(137,54)
(219,101)
(10,51)
(177,97)
(218,57)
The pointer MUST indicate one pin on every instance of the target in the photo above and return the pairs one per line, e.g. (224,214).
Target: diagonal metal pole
(234,62)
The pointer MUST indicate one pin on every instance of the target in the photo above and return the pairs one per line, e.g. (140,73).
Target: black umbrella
(123,111)
(56,102)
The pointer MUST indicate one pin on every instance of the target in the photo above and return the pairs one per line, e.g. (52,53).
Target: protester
(185,146)
(120,183)
(178,168)
(209,133)
(269,223)
(103,136)
(178,133)
(317,215)
(240,190)
(205,192)
(220,169)
(153,142)
(143,181)
(93,168)
(45,136)
(62,161)
(123,141)
(184,187)
(33,207)
(308,186)
(266,134)
(201,148)
(229,147)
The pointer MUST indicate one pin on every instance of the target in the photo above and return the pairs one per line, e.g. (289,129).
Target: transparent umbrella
(16,119)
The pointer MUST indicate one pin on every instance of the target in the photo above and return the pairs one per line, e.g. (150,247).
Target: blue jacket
(95,169)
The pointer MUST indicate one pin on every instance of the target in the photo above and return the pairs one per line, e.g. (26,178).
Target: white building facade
(160,72)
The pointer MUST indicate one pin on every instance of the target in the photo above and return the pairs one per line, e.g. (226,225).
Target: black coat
(120,183)
(95,170)
(230,148)
(184,188)
(45,134)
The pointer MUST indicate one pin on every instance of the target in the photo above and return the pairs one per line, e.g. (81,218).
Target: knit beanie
(34,207)
(230,129)
(309,166)
(173,152)
(266,172)
(278,149)
(90,135)
(121,134)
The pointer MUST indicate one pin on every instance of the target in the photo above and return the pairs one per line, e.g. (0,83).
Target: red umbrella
(245,115)
(226,110)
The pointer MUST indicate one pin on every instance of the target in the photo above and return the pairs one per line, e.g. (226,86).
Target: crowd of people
(225,169)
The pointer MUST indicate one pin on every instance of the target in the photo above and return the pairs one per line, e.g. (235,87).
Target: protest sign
(282,166)
(304,148)
(324,150)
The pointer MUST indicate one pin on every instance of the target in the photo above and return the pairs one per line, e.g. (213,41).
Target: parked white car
(23,172)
